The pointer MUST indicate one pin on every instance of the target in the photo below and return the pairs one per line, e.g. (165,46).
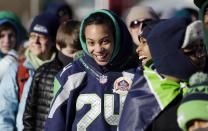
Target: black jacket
(167,119)
(41,94)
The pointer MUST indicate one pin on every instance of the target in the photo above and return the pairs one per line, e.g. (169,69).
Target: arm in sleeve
(140,106)
(56,120)
(30,110)
(8,101)
(62,112)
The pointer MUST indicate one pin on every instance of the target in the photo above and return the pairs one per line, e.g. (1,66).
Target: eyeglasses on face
(136,23)
(34,36)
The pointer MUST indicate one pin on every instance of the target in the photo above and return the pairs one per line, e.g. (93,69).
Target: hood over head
(123,44)
(148,27)
(10,17)
(193,33)
(165,42)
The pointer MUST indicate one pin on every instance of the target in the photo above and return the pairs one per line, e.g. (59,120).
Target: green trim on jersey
(56,86)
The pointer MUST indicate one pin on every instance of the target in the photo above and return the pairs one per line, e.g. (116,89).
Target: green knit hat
(194,104)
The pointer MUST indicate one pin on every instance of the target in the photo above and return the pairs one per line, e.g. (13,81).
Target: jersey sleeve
(56,86)
(140,106)
(63,108)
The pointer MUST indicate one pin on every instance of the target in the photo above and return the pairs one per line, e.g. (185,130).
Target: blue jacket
(22,103)
(9,97)
(91,97)
(6,61)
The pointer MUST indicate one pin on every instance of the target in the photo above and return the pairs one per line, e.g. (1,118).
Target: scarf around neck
(35,61)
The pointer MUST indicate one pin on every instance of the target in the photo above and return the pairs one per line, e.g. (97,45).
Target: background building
(26,9)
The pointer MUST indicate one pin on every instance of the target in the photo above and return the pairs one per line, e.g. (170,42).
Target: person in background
(135,20)
(192,113)
(142,50)
(154,105)
(186,57)
(41,90)
(187,12)
(41,50)
(62,10)
(203,16)
(12,35)
(93,88)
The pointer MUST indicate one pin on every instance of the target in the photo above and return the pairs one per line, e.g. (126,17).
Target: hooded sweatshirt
(166,51)
(12,56)
(91,97)
(152,106)
(10,17)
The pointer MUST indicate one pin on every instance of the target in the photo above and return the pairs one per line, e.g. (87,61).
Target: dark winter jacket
(41,94)
(153,108)
(167,119)
(146,100)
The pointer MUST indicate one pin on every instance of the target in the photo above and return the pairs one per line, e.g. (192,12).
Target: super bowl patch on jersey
(122,85)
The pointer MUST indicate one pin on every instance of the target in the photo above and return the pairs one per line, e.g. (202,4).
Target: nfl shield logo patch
(103,79)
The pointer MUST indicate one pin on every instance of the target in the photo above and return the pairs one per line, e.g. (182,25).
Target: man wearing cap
(12,33)
(40,50)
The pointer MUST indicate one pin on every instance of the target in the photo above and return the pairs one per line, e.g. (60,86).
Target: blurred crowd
(139,71)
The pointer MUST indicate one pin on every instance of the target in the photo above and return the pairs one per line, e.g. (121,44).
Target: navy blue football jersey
(87,103)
